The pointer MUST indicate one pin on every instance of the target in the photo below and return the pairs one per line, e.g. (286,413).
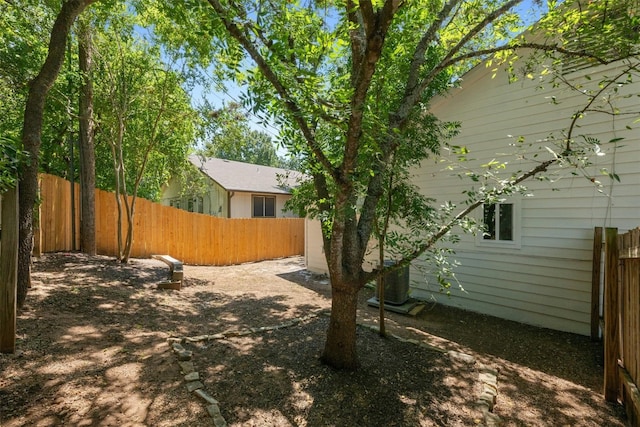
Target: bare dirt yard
(93,350)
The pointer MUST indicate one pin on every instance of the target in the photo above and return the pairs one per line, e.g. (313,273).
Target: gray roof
(238,176)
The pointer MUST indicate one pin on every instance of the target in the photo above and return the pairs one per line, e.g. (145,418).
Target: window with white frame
(501,224)
(264,206)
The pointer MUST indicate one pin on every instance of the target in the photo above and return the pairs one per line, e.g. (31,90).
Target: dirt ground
(92,350)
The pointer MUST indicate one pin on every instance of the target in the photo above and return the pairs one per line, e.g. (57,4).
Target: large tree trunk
(87,150)
(340,346)
(32,132)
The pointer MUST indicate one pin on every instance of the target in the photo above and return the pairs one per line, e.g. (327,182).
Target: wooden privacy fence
(191,237)
(621,326)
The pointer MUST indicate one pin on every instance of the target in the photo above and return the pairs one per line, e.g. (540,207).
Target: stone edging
(489,379)
(488,376)
(192,377)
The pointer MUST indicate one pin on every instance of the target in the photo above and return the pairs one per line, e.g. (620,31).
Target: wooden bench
(175,272)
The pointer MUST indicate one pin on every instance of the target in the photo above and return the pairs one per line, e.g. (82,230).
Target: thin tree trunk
(87,147)
(116,169)
(380,283)
(32,133)
(340,346)
(124,251)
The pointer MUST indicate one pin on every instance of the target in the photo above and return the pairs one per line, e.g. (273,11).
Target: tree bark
(87,147)
(340,346)
(32,132)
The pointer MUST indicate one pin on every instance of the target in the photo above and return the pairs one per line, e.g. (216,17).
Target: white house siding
(214,201)
(242,205)
(314,254)
(546,279)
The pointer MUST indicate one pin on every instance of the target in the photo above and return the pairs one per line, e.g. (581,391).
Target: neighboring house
(534,265)
(233,189)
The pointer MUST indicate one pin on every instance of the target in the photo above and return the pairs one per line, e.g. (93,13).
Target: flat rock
(187,367)
(213,410)
(184,355)
(192,376)
(219,421)
(466,358)
(205,396)
(194,385)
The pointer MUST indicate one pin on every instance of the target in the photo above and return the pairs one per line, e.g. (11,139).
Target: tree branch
(376,25)
(411,98)
(428,38)
(270,75)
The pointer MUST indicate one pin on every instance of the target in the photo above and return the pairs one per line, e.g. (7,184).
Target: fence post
(8,271)
(595,283)
(611,348)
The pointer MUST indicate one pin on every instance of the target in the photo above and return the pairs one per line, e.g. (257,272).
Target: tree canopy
(227,134)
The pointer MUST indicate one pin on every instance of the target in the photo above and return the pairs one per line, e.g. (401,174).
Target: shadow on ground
(92,351)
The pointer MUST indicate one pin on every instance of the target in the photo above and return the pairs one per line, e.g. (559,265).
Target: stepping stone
(194,385)
(192,376)
(186,367)
(206,397)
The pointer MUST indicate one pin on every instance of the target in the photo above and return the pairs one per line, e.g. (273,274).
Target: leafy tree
(145,118)
(228,135)
(350,84)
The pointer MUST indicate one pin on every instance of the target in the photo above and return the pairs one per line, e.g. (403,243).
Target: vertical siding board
(216,246)
(78,215)
(234,238)
(51,218)
(146,238)
(99,222)
(249,247)
(197,239)
(137,225)
(595,283)
(152,222)
(197,229)
(140,235)
(611,306)
(206,238)
(226,242)
(247,239)
(111,223)
(45,215)
(240,243)
(223,252)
